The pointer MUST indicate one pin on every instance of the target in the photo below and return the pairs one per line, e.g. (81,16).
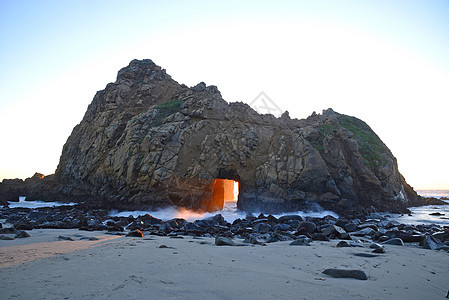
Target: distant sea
(420,215)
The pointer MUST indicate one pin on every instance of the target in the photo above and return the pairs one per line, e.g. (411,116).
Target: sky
(385,62)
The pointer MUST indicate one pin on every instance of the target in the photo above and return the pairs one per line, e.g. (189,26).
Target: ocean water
(35,204)
(422,214)
(229,212)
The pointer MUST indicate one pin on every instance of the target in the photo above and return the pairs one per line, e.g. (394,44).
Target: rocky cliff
(146,140)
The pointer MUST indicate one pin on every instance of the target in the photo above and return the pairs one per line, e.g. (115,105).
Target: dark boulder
(135,233)
(341,273)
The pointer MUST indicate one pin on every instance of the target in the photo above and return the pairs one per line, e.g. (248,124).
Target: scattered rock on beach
(251,240)
(340,273)
(350,227)
(65,238)
(430,242)
(90,238)
(21,234)
(364,231)
(444,248)
(333,229)
(379,250)
(7,230)
(287,218)
(224,241)
(262,228)
(300,242)
(375,246)
(6,238)
(342,244)
(307,227)
(395,241)
(135,233)
(362,254)
(23,226)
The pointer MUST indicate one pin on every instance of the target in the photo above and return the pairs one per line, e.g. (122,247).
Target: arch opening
(225,193)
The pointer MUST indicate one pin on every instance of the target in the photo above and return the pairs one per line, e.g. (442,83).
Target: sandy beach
(114,267)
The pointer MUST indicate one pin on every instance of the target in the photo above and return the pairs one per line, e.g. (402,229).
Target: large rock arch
(146,140)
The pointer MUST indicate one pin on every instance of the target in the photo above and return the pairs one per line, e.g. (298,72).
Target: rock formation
(146,140)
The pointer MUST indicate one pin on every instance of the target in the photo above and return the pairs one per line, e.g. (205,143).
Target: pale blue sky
(385,62)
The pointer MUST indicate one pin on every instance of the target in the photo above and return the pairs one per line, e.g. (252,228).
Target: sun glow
(224,191)
(187,214)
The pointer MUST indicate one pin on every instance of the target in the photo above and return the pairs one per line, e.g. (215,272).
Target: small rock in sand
(379,250)
(342,244)
(340,273)
(300,242)
(90,238)
(395,241)
(375,246)
(135,233)
(224,241)
(362,254)
(21,234)
(65,238)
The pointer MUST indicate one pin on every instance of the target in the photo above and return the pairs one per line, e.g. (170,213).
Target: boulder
(333,229)
(286,218)
(430,242)
(262,228)
(306,226)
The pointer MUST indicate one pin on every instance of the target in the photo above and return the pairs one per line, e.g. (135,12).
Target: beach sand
(113,267)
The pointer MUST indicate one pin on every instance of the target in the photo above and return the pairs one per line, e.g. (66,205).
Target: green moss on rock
(371,146)
(324,130)
(164,110)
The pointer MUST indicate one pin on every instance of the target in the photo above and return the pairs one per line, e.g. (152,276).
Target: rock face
(146,140)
